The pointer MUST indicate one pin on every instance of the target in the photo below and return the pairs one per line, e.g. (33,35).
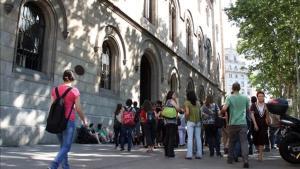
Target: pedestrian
(117,124)
(261,120)
(171,128)
(128,124)
(250,126)
(160,124)
(137,128)
(193,117)
(225,138)
(210,111)
(150,125)
(238,105)
(182,130)
(66,137)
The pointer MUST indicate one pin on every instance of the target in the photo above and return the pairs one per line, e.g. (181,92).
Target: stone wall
(25,95)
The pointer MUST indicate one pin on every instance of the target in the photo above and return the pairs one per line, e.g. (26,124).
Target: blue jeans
(126,134)
(65,139)
(194,129)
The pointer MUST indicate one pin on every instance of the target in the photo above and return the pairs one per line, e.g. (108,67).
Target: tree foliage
(268,35)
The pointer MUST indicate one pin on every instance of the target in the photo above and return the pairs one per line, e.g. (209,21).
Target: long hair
(118,108)
(169,95)
(209,100)
(147,106)
(191,96)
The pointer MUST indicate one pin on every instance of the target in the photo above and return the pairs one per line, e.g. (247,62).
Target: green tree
(268,36)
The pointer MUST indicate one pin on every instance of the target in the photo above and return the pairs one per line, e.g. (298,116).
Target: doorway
(145,80)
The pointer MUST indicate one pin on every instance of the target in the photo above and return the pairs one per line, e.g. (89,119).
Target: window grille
(31,30)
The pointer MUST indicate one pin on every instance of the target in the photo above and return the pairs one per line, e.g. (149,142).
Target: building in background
(137,49)
(236,71)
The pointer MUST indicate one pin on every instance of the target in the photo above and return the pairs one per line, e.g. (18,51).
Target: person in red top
(65,138)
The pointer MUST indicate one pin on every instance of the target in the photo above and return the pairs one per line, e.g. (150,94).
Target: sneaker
(188,158)
(198,158)
(246,165)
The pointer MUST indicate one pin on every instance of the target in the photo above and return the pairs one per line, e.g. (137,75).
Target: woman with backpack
(128,124)
(66,137)
(150,125)
(193,117)
(171,128)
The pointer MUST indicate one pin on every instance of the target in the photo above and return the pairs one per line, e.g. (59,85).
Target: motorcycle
(289,146)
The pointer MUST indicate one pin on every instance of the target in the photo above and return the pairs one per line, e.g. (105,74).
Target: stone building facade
(119,49)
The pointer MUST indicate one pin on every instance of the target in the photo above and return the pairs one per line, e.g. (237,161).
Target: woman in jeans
(193,117)
(65,138)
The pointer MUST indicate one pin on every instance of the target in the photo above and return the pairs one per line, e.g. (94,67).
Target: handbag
(219,121)
(169,112)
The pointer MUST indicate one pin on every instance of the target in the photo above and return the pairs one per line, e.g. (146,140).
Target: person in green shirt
(193,117)
(237,125)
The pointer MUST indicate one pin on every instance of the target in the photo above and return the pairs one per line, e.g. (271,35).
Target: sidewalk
(99,156)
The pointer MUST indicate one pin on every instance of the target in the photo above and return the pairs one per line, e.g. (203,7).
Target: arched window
(172,15)
(31,32)
(201,93)
(190,86)
(149,10)
(106,66)
(208,54)
(174,83)
(200,49)
(188,38)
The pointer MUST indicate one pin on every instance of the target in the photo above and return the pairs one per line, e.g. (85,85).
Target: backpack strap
(64,94)
(70,111)
(56,92)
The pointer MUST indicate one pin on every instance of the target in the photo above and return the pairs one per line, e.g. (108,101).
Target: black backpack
(56,121)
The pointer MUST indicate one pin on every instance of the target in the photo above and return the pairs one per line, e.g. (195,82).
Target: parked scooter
(289,146)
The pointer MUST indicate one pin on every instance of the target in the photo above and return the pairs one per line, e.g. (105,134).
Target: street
(104,156)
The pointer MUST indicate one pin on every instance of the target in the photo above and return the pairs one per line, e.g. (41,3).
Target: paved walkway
(106,157)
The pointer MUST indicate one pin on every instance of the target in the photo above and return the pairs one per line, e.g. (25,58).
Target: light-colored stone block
(7,53)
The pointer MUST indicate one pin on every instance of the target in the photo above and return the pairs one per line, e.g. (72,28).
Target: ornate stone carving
(8,7)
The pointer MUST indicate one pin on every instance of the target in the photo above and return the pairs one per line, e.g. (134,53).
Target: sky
(230,37)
